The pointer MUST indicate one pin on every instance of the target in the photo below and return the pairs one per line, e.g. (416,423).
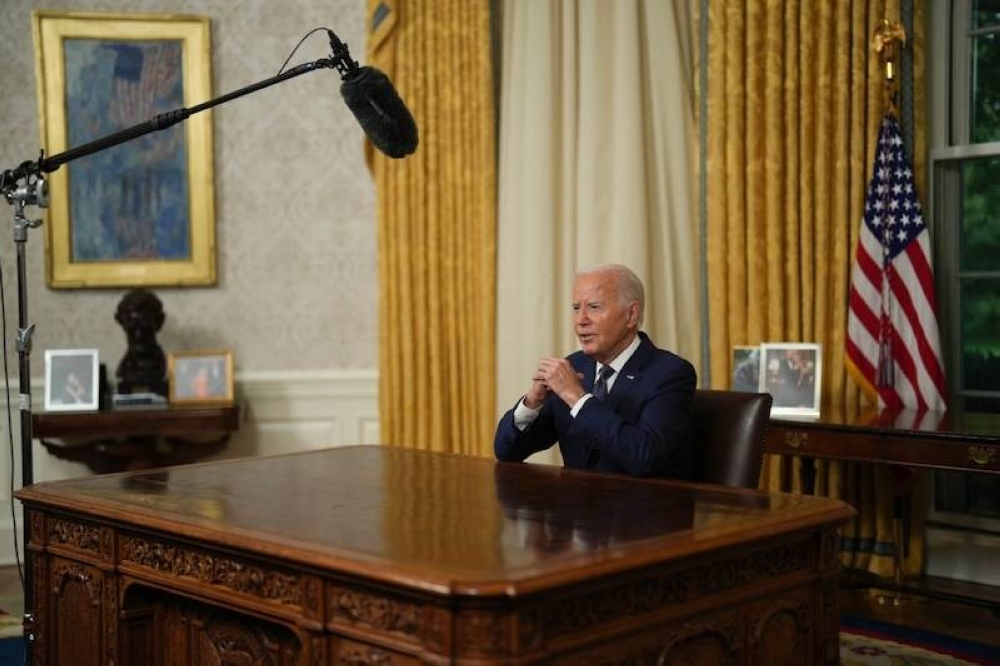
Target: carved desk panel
(381,555)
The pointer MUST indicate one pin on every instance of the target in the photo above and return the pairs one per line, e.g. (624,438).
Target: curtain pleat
(794,99)
(436,228)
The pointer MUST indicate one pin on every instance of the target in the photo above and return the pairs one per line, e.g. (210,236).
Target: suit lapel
(586,367)
(631,372)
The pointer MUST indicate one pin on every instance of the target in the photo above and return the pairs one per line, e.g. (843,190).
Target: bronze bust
(144,366)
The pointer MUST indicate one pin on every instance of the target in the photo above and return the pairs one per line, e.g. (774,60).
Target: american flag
(145,75)
(893,348)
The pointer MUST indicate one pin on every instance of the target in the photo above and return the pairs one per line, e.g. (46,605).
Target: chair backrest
(729,436)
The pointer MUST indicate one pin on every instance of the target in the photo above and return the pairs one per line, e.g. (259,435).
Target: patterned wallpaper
(295,214)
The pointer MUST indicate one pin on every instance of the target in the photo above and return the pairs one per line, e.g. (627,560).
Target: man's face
(795,359)
(603,325)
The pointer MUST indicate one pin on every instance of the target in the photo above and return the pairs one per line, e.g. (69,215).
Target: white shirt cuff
(579,404)
(524,416)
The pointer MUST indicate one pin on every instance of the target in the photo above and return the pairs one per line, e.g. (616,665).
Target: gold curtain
(789,119)
(436,228)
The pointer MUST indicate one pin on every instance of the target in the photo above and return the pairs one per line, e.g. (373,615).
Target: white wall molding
(285,412)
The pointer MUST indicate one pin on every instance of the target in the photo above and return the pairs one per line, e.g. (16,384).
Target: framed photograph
(200,377)
(791,372)
(72,380)
(141,213)
(746,368)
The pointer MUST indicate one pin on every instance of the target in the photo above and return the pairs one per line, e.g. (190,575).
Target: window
(964,91)
(965,158)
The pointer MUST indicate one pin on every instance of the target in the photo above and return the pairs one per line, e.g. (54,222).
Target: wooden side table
(134,439)
(949,441)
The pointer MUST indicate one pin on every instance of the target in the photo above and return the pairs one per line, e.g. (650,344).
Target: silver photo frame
(72,380)
(792,373)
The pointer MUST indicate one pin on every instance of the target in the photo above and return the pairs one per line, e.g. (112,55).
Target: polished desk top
(441,523)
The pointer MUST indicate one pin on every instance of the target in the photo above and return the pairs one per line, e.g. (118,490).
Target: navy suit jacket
(643,427)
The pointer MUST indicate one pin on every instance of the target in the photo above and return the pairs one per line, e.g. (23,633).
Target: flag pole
(887,41)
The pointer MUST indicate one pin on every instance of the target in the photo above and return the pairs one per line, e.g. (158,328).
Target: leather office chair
(729,436)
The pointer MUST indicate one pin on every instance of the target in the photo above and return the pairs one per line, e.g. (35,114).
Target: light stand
(25,186)
(34,192)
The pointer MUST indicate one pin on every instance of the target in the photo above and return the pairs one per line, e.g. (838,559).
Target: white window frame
(949,57)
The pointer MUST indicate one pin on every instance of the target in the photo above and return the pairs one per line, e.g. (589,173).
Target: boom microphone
(373,100)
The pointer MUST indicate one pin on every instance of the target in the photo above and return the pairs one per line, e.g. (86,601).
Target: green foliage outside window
(979,234)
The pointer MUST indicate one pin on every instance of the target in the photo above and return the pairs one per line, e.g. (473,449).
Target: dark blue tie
(601,383)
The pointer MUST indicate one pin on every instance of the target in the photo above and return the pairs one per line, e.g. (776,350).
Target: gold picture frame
(202,377)
(141,213)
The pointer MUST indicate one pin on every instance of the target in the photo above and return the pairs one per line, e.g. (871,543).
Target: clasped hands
(554,375)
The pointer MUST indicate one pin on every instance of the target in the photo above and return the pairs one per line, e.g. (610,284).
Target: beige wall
(294,201)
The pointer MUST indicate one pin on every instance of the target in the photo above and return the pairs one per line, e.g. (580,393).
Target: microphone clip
(340,56)
(10,188)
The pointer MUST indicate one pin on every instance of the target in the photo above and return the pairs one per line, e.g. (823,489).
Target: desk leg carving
(75,573)
(111,619)
(830,627)
(78,630)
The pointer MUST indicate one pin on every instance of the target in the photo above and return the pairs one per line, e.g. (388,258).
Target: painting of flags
(131,201)
(893,346)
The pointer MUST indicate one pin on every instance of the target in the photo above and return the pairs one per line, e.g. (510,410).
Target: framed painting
(792,373)
(141,213)
(201,377)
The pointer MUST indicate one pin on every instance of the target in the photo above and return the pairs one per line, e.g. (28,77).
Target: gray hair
(629,285)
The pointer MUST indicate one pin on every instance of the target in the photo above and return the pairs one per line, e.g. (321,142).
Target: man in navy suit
(636,420)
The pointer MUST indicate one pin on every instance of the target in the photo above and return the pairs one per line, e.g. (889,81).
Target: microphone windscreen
(381,113)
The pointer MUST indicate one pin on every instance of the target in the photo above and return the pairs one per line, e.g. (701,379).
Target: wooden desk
(380,555)
(129,439)
(935,440)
